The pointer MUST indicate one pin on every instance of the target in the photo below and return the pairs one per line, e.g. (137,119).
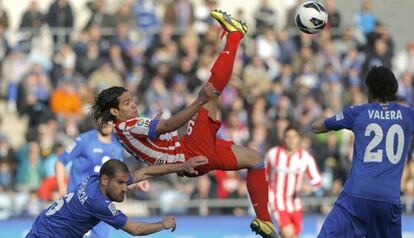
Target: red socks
(259,192)
(223,67)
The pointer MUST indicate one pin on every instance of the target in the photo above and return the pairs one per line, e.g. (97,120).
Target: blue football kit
(77,212)
(87,154)
(369,204)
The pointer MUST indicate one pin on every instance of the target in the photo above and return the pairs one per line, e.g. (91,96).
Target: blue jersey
(77,212)
(382,139)
(88,154)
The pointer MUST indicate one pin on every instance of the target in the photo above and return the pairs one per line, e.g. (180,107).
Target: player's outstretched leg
(223,67)
(258,189)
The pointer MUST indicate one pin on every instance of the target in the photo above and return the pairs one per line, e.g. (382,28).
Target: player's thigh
(101,230)
(296,218)
(338,224)
(385,221)
(246,157)
(200,138)
(285,223)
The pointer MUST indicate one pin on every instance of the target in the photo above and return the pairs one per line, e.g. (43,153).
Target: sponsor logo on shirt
(339,116)
(113,209)
(97,150)
(143,122)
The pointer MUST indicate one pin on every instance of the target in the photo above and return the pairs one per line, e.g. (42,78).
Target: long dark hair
(382,84)
(107,99)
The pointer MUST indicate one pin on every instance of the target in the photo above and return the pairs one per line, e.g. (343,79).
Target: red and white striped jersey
(286,176)
(138,137)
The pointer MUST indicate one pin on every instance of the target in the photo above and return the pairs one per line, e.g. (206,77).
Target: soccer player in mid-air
(369,204)
(156,141)
(91,202)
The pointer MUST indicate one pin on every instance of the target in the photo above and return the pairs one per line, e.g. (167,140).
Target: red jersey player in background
(286,167)
(156,141)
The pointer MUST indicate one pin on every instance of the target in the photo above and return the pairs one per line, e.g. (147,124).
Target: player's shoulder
(87,135)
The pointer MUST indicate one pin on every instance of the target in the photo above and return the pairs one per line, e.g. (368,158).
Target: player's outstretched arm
(187,167)
(144,228)
(319,126)
(179,119)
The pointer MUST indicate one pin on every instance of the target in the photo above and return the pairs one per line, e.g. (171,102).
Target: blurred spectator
(404,60)
(89,61)
(180,15)
(202,16)
(60,19)
(124,15)
(29,169)
(32,19)
(65,100)
(405,88)
(99,16)
(104,77)
(14,67)
(256,81)
(4,18)
(334,18)
(365,19)
(265,17)
(145,16)
(233,129)
(7,164)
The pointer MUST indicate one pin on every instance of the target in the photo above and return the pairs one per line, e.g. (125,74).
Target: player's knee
(256,159)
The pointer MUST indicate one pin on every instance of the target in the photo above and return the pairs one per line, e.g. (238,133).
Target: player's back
(382,139)
(77,212)
(88,153)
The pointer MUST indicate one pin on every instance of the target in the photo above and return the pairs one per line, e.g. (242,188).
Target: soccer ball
(311,17)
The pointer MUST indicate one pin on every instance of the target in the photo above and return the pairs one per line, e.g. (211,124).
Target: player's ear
(114,112)
(104,180)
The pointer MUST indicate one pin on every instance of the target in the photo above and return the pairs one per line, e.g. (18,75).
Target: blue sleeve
(342,120)
(152,133)
(108,213)
(73,151)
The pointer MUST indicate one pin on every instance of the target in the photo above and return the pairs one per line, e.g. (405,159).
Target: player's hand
(169,223)
(206,93)
(190,165)
(144,186)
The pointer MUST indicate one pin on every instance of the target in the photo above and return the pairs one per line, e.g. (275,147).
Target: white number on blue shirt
(58,204)
(376,156)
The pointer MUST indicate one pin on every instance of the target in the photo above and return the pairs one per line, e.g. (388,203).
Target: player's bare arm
(182,117)
(187,167)
(319,126)
(144,228)
(60,177)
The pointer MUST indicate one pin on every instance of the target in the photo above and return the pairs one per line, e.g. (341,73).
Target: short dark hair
(292,127)
(107,99)
(382,84)
(110,167)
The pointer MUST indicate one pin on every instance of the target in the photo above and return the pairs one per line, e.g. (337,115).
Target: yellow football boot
(264,228)
(228,23)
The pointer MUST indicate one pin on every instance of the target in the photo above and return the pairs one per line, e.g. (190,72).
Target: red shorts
(285,218)
(201,140)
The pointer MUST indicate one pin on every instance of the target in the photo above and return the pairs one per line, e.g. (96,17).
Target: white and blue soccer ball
(311,17)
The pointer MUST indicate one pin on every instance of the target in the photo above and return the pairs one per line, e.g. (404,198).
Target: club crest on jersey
(339,116)
(113,209)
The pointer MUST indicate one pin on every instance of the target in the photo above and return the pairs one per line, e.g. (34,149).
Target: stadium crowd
(280,77)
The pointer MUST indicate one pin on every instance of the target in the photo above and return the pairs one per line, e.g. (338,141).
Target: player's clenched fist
(169,223)
(206,93)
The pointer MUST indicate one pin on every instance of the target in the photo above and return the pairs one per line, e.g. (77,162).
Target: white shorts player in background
(287,167)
